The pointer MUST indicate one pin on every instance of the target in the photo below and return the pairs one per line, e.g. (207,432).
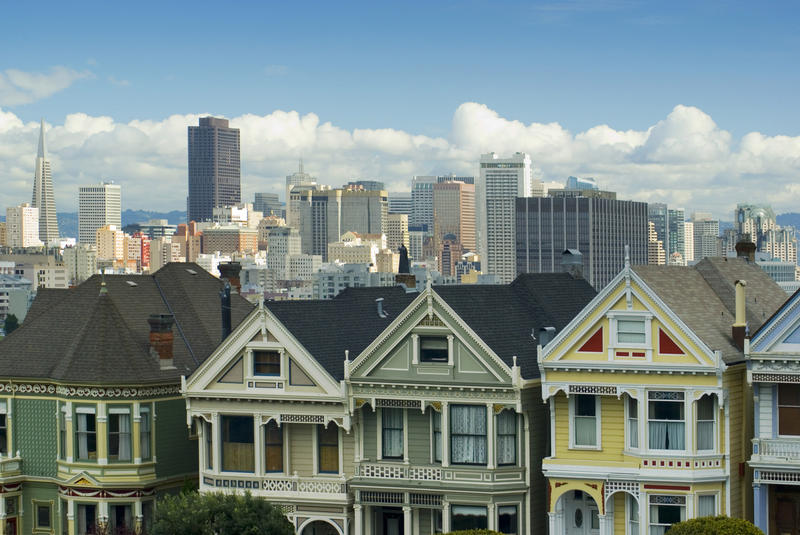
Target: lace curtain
(392,432)
(124,437)
(507,437)
(468,434)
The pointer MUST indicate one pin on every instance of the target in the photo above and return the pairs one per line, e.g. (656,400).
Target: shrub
(715,525)
(474,532)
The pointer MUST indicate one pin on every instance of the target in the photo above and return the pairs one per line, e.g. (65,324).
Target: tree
(191,513)
(474,532)
(11,324)
(714,525)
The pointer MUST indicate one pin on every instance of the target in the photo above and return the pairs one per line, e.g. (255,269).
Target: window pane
(328,449)
(42,516)
(789,394)
(437,435)
(633,423)
(631,331)
(145,433)
(507,519)
(468,517)
(392,438)
(468,434)
(666,410)
(237,443)
(706,506)
(266,363)
(789,420)
(585,431)
(273,447)
(507,437)
(433,349)
(585,405)
(705,408)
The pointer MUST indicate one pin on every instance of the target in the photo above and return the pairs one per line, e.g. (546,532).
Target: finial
(301,165)
(627,256)
(103,289)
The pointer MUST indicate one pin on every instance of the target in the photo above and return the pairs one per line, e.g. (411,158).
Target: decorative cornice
(90,391)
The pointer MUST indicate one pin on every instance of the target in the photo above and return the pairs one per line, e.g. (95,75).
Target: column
(606,524)
(258,443)
(760,518)
(446,517)
(102,434)
(450,357)
(445,436)
(358,519)
(407,520)
(492,516)
(68,423)
(138,521)
(490,438)
(102,513)
(71,529)
(2,514)
(201,449)
(216,445)
(414,349)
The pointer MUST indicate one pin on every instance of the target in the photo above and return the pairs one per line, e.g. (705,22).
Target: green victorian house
(93,424)
(387,411)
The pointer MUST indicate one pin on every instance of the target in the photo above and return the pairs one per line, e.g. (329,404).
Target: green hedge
(715,525)
(475,532)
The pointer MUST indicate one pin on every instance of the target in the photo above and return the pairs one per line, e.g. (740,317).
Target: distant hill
(68,221)
(791,219)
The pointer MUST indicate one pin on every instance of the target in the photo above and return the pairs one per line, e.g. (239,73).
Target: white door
(581,514)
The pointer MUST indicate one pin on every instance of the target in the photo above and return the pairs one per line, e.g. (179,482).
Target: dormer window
(433,349)
(266,362)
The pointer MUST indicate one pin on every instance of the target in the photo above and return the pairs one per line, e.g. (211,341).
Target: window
(788,409)
(633,423)
(87,518)
(119,434)
(328,449)
(145,433)
(266,363)
(665,511)
(273,447)
(392,433)
(507,519)
(436,521)
(631,331)
(705,423)
(120,518)
(209,445)
(585,420)
(43,520)
(433,349)
(3,428)
(706,505)
(507,438)
(468,517)
(437,435)
(467,434)
(633,515)
(237,443)
(666,421)
(62,432)
(86,434)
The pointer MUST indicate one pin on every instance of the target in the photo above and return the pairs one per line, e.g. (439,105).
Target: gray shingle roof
(81,336)
(503,316)
(703,296)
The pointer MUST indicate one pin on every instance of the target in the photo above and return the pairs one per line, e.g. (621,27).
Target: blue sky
(690,103)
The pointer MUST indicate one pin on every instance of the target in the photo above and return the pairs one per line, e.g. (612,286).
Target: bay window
(584,420)
(468,434)
(119,434)
(507,438)
(392,433)
(633,423)
(86,433)
(237,443)
(665,511)
(789,409)
(328,449)
(666,421)
(705,423)
(273,447)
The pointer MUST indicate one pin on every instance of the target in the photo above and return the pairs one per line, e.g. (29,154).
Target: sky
(690,103)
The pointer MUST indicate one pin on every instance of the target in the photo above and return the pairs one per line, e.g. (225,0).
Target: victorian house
(387,411)
(92,424)
(646,388)
(773,361)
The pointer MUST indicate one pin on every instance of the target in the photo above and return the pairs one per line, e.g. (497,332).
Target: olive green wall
(175,452)
(35,432)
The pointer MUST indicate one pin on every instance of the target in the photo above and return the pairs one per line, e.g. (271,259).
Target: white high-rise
(502,180)
(98,205)
(43,197)
(22,226)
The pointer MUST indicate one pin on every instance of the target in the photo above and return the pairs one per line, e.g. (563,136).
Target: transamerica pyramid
(43,198)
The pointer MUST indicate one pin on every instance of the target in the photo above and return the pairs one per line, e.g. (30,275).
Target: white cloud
(686,159)
(20,87)
(116,81)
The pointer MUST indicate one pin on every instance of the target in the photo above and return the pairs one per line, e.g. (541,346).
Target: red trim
(666,487)
(622,353)
(666,345)
(638,354)
(594,344)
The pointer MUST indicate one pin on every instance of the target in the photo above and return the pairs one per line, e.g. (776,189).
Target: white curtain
(705,423)
(124,437)
(392,432)
(667,435)
(437,436)
(468,434)
(633,516)
(144,435)
(507,437)
(83,445)
(633,423)
(706,506)
(585,431)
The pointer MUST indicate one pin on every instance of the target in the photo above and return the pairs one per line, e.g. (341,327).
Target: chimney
(546,335)
(572,263)
(225,302)
(161,339)
(739,328)
(229,271)
(746,249)
(381,313)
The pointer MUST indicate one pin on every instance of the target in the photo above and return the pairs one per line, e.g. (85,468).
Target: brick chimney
(739,328)
(161,339)
(229,271)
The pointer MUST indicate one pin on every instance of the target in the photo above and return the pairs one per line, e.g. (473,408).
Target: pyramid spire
(301,166)
(40,154)
(43,197)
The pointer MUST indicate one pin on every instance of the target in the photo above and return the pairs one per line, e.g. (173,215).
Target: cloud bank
(685,159)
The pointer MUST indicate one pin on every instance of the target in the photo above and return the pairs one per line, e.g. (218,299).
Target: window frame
(319,445)
(222,441)
(436,360)
(118,411)
(515,436)
(650,505)
(632,423)
(613,340)
(454,507)
(145,436)
(279,445)
(684,412)
(384,429)
(4,446)
(436,415)
(37,527)
(516,507)
(598,423)
(264,350)
(77,433)
(714,495)
(629,521)
(713,421)
(779,406)
(453,436)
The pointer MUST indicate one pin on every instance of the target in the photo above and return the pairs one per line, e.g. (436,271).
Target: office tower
(449,254)
(656,256)
(416,243)
(268,204)
(688,231)
(781,244)
(598,228)
(98,205)
(400,202)
(3,234)
(110,241)
(22,226)
(502,180)
(452,177)
(396,231)
(676,230)
(298,178)
(43,197)
(759,223)
(706,235)
(284,243)
(190,241)
(587,183)
(214,168)
(422,202)
(370,185)
(657,214)
(454,213)
(229,239)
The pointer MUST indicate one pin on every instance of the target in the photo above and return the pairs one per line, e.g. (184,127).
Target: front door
(786,507)
(11,526)
(580,514)
(392,522)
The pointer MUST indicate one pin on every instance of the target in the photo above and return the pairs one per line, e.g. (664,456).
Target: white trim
(85,410)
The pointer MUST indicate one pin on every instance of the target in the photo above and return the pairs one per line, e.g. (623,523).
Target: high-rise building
(688,232)
(759,223)
(268,204)
(22,226)
(373,185)
(502,180)
(669,227)
(454,213)
(449,254)
(229,239)
(298,178)
(706,236)
(284,243)
(400,202)
(110,242)
(397,231)
(598,228)
(43,197)
(214,168)
(98,206)
(190,241)
(3,234)
(422,202)
(656,256)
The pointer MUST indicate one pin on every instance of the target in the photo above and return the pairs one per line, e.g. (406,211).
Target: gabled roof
(503,316)
(84,336)
(772,327)
(703,297)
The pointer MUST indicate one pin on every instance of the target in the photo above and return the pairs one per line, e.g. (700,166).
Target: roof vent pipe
(546,335)
(381,313)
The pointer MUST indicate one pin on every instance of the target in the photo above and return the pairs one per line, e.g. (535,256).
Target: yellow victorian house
(650,423)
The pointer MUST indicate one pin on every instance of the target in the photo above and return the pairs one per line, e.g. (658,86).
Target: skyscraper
(43,197)
(669,227)
(454,213)
(268,204)
(22,226)
(706,235)
(99,205)
(502,180)
(214,168)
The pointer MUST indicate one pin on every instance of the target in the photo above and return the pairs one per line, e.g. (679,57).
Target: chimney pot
(739,327)
(229,271)
(546,335)
(161,338)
